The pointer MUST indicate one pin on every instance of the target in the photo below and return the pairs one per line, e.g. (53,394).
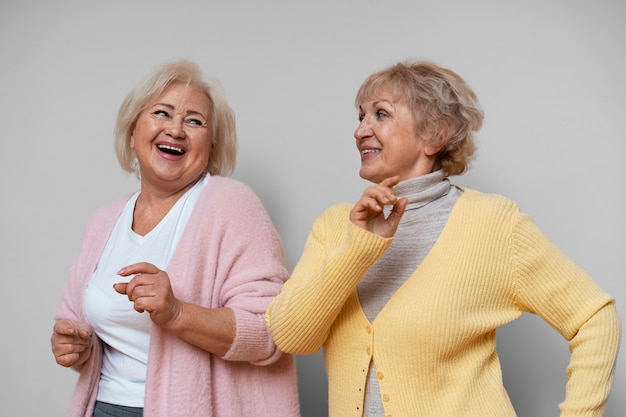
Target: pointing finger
(138,268)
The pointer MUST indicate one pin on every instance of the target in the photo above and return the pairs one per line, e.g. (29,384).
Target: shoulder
(490,203)
(486,212)
(109,212)
(230,200)
(335,212)
(334,220)
(220,182)
(229,190)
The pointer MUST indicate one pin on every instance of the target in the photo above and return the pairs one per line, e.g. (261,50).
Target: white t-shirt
(124,331)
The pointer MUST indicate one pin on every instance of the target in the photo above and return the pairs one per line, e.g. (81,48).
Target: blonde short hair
(222,158)
(441,102)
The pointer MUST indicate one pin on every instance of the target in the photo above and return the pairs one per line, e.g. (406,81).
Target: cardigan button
(386,398)
(379,375)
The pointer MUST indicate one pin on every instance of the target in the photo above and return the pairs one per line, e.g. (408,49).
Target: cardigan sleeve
(335,257)
(591,370)
(553,287)
(249,267)
(94,238)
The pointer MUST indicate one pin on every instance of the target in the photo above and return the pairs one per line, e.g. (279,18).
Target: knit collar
(423,189)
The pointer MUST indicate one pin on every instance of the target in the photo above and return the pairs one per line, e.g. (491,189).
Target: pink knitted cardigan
(230,255)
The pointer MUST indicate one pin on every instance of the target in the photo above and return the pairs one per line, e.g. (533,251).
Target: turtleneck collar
(423,189)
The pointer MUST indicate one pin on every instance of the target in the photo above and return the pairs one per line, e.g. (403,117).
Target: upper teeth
(173,148)
(364,151)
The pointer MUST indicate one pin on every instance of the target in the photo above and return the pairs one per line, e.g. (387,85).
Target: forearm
(300,317)
(592,364)
(210,329)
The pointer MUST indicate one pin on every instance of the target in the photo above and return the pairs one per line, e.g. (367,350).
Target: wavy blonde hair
(222,159)
(444,107)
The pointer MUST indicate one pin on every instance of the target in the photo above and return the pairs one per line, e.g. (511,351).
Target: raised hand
(150,290)
(368,214)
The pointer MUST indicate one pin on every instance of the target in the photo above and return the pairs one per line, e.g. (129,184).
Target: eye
(160,112)
(194,122)
(381,113)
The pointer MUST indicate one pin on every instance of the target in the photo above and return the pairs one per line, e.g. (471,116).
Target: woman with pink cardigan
(163,314)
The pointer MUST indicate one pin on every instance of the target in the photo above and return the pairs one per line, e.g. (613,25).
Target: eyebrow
(188,112)
(377,102)
(382,100)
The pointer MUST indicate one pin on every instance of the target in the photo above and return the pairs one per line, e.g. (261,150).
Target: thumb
(120,287)
(397,212)
(84,332)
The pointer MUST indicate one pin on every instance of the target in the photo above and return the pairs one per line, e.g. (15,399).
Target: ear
(438,141)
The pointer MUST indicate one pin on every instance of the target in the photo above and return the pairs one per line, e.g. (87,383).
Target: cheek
(207,144)
(136,133)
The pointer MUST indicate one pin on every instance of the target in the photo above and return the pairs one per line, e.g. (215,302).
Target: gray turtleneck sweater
(431,199)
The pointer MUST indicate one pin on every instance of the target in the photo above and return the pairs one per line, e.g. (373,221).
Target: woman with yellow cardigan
(405,289)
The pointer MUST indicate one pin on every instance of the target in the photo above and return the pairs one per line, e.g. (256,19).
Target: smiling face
(388,143)
(172,138)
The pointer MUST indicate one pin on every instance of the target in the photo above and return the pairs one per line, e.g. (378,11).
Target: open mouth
(172,150)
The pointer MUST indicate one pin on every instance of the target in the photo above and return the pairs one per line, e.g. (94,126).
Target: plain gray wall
(550,76)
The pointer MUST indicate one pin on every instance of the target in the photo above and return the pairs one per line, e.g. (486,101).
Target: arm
(341,247)
(591,369)
(336,255)
(74,343)
(559,291)
(228,269)
(210,329)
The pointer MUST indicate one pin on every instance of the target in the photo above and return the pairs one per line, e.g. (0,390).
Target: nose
(175,127)
(363,130)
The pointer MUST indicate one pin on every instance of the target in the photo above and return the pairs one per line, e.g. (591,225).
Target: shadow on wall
(312,385)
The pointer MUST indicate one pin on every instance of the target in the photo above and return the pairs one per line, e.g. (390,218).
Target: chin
(369,177)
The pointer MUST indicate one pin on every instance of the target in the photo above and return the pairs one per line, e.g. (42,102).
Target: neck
(153,203)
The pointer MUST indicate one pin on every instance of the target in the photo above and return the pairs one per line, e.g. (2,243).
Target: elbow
(295,343)
(293,336)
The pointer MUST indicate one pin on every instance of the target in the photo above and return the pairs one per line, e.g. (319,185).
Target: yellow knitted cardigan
(433,344)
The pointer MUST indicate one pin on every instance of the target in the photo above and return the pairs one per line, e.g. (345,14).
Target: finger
(138,268)
(383,193)
(68,353)
(374,204)
(135,293)
(64,327)
(72,329)
(136,306)
(373,199)
(130,288)
(397,211)
(121,287)
(67,359)
(85,333)
(390,182)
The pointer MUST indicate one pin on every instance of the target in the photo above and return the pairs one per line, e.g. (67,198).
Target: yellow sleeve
(336,255)
(591,369)
(555,288)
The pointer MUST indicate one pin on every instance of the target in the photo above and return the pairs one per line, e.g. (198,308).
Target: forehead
(379,93)
(181,94)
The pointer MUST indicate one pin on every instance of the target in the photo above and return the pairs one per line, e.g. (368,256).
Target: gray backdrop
(548,73)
